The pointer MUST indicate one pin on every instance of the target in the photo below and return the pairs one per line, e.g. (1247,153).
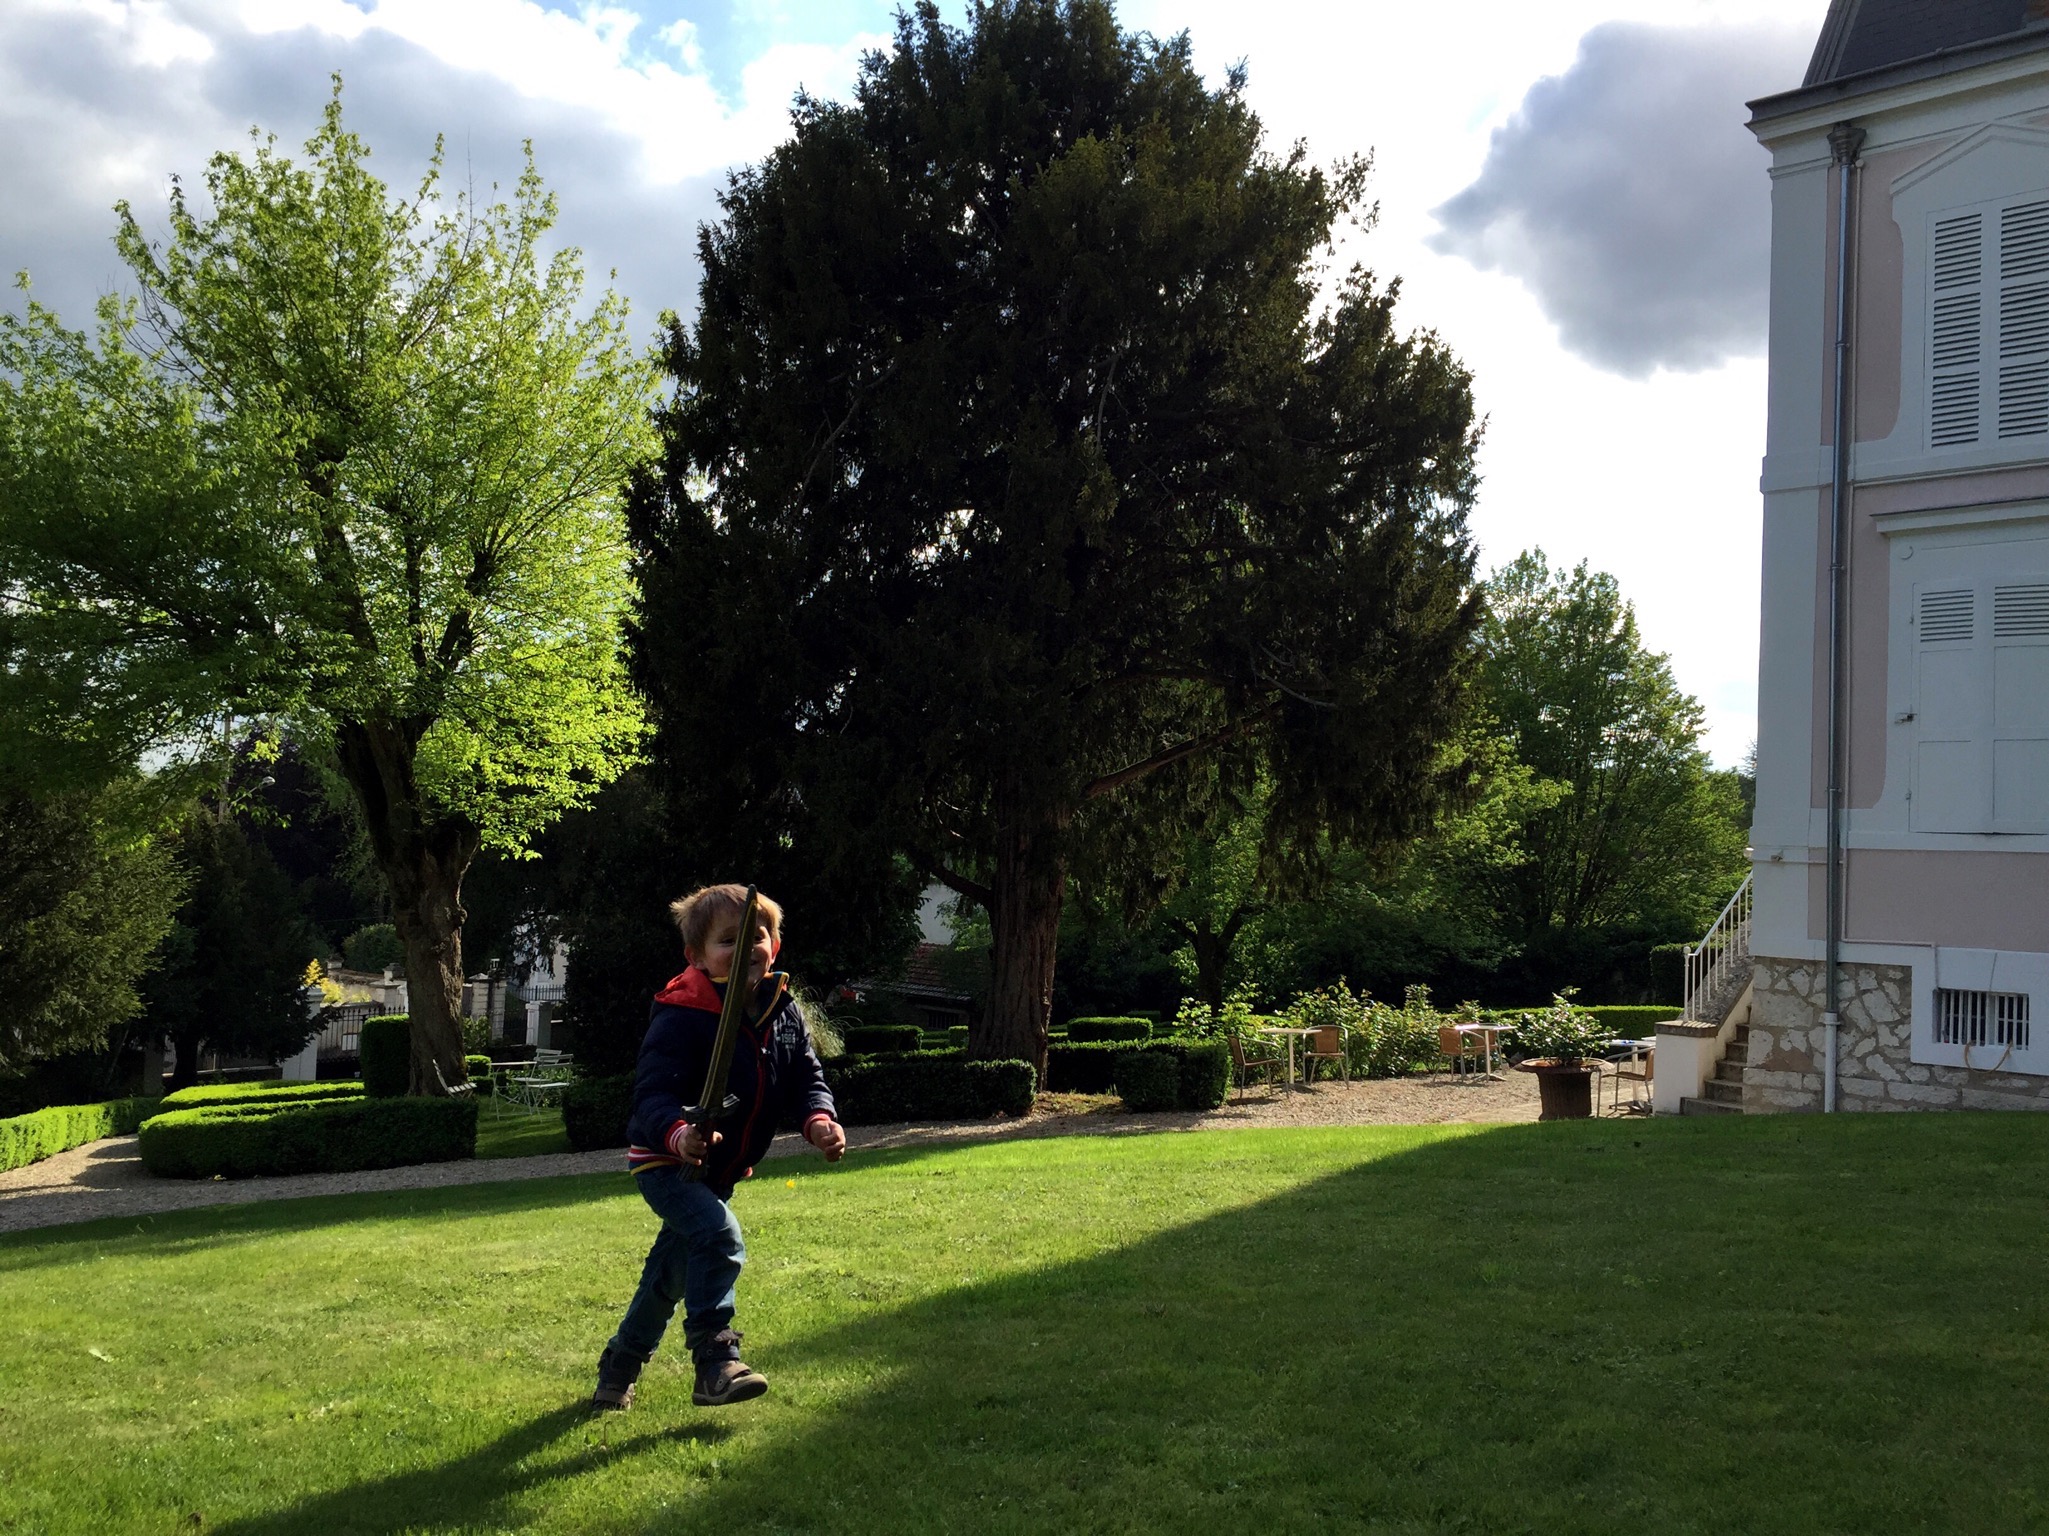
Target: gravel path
(106,1178)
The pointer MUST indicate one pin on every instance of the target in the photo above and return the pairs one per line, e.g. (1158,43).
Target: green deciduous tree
(1015,463)
(351,464)
(1646,836)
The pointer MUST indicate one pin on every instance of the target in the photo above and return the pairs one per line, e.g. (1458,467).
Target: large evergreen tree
(1019,454)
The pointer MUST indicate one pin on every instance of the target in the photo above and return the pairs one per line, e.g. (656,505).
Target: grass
(1688,1326)
(511,1131)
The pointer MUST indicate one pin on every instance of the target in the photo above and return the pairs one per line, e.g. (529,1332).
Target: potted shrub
(1556,1043)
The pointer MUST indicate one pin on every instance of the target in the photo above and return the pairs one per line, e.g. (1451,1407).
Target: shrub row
(1082,1067)
(936,1087)
(215,1095)
(332,1136)
(30,1138)
(595,1111)
(867,1039)
(1120,1027)
(1173,1074)
(386,1047)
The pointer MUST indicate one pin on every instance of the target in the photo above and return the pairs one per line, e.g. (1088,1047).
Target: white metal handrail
(1720,954)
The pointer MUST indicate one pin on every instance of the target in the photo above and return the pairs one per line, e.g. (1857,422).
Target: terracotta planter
(1565,1090)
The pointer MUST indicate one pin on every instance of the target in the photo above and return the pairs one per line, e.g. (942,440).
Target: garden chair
(542,1084)
(1458,1047)
(1638,1067)
(1327,1044)
(1243,1066)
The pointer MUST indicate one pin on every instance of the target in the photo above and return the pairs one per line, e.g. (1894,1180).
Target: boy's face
(716,956)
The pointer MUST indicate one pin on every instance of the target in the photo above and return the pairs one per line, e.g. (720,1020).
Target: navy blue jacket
(775,1074)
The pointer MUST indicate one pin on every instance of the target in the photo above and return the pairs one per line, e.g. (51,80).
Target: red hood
(691,989)
(694,989)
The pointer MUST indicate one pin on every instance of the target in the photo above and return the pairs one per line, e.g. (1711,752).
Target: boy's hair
(704,908)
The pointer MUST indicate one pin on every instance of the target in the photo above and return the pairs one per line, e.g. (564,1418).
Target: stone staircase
(1722,1094)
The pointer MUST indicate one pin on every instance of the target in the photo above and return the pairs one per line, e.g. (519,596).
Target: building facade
(1901,841)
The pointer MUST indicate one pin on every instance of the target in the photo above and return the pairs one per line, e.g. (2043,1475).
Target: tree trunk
(1028,890)
(427,911)
(424,857)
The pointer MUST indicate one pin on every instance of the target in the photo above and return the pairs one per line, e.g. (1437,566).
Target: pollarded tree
(353,464)
(1015,460)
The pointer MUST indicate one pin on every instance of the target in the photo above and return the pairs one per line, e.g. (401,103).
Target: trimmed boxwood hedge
(595,1111)
(1148,1080)
(1118,1027)
(336,1136)
(941,1086)
(1082,1067)
(867,1039)
(214,1095)
(30,1138)
(386,1046)
(1198,1079)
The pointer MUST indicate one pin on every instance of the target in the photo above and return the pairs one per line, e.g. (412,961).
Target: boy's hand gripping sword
(715,1104)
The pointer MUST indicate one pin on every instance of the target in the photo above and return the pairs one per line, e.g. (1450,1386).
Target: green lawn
(1694,1325)
(515,1132)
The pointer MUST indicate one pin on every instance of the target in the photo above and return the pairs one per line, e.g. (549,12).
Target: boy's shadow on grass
(473,1491)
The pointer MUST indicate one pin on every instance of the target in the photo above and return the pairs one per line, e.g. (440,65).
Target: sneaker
(723,1378)
(617,1372)
(720,1382)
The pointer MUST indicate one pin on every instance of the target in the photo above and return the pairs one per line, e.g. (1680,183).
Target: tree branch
(959,884)
(1174,754)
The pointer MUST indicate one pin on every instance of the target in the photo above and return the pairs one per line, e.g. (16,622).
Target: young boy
(698,1253)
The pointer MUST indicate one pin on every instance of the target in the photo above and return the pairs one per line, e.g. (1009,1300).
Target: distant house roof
(923,978)
(1862,35)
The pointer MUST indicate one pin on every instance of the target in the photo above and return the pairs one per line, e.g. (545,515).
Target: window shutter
(2020,706)
(1956,339)
(2024,320)
(1949,711)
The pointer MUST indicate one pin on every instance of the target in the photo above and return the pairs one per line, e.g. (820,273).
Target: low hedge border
(1117,1027)
(595,1111)
(869,1039)
(217,1095)
(1196,1075)
(30,1138)
(937,1087)
(333,1136)
(1084,1066)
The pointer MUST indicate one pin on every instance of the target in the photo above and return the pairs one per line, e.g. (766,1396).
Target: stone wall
(1874,1063)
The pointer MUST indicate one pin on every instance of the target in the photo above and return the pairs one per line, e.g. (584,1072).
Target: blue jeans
(695,1260)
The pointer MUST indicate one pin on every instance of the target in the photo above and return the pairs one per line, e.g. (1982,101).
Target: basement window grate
(1995,1020)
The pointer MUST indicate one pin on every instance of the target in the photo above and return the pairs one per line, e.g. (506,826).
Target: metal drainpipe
(1844,141)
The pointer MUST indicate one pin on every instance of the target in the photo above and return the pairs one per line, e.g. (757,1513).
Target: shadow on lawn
(473,1489)
(1688,1326)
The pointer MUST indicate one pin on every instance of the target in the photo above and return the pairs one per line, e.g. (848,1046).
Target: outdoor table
(1487,1032)
(1293,1035)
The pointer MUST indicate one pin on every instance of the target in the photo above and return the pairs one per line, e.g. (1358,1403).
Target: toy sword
(715,1104)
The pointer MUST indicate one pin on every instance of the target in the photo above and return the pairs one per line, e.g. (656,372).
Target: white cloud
(1629,198)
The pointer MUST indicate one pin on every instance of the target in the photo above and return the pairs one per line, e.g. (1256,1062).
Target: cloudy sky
(1566,190)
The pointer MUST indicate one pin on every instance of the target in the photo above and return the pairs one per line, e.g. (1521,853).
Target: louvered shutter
(2020,705)
(1949,791)
(1981,669)
(1956,330)
(2024,320)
